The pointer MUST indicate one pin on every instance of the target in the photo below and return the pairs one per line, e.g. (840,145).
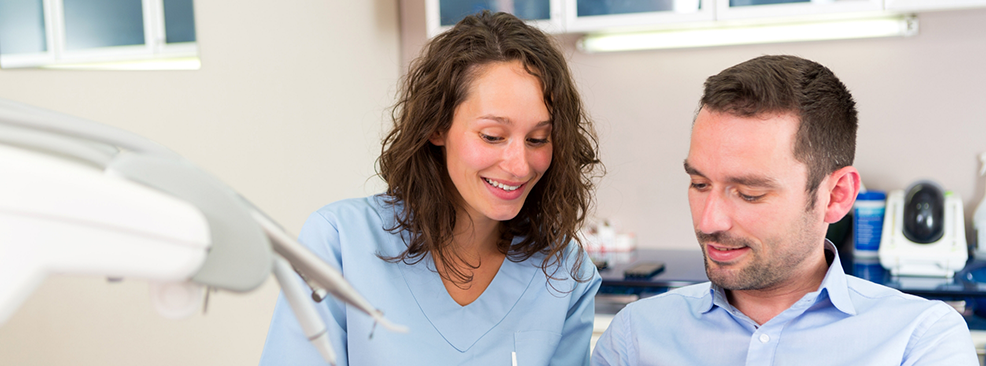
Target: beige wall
(291,98)
(921,101)
(287,109)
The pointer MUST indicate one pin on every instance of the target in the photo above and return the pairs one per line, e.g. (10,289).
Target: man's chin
(726,278)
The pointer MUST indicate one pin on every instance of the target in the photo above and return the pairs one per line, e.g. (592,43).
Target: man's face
(748,200)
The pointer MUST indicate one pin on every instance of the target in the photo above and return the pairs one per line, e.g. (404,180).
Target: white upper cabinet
(76,33)
(548,15)
(925,5)
(606,16)
(594,15)
(763,9)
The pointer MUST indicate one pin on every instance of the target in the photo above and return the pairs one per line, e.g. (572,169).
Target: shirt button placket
(762,350)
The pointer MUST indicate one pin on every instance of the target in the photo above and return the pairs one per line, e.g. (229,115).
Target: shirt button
(764,338)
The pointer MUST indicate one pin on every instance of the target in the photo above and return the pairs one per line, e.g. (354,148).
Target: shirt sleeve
(573,348)
(286,342)
(945,340)
(611,347)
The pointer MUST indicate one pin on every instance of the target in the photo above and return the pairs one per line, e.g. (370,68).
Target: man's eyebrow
(755,181)
(691,170)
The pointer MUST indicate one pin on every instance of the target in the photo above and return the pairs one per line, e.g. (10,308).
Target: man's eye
(749,198)
(699,186)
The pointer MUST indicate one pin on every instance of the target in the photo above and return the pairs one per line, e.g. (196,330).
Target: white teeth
(501,185)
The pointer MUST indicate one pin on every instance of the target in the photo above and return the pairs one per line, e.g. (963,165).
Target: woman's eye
(537,142)
(489,138)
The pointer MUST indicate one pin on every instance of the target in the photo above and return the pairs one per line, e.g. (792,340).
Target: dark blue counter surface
(685,267)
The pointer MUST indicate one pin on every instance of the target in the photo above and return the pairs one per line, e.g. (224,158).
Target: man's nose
(715,214)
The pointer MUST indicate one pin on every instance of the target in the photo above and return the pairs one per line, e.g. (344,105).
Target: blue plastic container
(868,223)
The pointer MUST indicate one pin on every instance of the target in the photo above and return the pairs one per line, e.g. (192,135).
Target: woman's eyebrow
(507,121)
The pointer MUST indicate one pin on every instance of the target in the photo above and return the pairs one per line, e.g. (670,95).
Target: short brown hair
(414,169)
(826,136)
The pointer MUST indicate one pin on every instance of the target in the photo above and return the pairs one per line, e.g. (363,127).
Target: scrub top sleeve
(946,341)
(321,235)
(611,347)
(573,348)
(286,342)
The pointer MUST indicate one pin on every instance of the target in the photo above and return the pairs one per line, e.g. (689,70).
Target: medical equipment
(979,217)
(923,232)
(78,197)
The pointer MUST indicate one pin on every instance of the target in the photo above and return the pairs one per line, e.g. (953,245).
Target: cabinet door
(595,15)
(753,9)
(56,33)
(24,39)
(443,14)
(923,5)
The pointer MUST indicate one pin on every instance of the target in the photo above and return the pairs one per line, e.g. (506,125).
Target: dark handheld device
(600,264)
(643,270)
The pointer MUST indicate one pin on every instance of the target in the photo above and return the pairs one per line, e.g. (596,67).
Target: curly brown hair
(415,171)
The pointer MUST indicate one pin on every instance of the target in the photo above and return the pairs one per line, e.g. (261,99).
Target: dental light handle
(304,309)
(315,269)
(982,159)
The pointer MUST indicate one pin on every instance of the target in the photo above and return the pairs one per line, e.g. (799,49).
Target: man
(771,167)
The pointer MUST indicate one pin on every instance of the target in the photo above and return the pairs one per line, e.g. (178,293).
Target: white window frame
(154,47)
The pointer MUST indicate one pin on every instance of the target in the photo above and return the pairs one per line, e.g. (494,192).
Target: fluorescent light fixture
(752,34)
(178,63)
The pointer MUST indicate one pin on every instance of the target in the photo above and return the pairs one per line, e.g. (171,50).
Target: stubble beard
(757,272)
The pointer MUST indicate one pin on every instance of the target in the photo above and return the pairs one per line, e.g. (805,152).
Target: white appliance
(904,256)
(82,198)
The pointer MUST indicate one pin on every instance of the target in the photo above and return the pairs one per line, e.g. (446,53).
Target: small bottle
(979,218)
(867,225)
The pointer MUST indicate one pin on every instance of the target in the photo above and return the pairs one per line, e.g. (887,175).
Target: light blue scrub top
(847,321)
(519,314)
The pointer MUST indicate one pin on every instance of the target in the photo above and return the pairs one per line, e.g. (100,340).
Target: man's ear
(843,186)
(437,138)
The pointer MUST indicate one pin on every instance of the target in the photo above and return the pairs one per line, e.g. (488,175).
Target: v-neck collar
(463,326)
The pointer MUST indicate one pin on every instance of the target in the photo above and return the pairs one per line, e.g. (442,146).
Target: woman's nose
(515,160)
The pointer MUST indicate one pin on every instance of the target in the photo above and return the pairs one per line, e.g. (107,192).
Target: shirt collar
(834,285)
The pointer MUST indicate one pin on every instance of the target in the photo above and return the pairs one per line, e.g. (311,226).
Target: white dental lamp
(82,198)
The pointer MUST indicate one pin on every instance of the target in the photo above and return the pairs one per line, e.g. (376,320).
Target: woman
(474,245)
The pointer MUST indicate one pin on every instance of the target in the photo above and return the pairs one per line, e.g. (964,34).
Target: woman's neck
(475,238)
(475,255)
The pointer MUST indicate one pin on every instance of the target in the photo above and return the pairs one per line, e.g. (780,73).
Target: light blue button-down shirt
(848,321)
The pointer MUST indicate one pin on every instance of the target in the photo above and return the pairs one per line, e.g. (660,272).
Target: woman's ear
(437,138)
(844,186)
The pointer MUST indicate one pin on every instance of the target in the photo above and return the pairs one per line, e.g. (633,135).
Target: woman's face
(499,144)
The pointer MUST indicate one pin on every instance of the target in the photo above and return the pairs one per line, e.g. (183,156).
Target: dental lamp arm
(232,245)
(312,268)
(304,309)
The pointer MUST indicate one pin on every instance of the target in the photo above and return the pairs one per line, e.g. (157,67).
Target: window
(98,34)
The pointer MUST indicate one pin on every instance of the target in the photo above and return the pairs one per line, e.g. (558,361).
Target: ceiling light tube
(751,34)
